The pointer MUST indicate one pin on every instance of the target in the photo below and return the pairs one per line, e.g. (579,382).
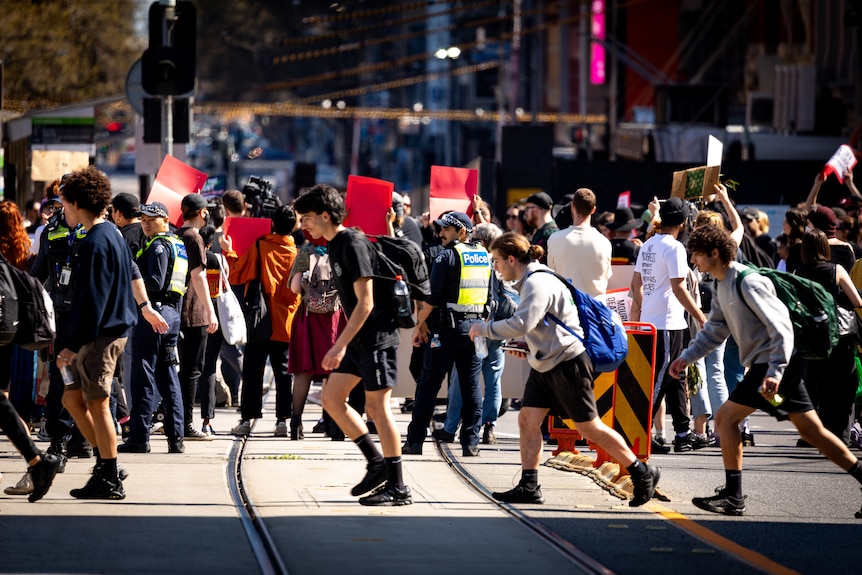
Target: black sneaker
(747,439)
(42,474)
(411,449)
(134,447)
(520,494)
(721,503)
(99,487)
(657,445)
(470,451)
(390,496)
(79,448)
(375,476)
(176,446)
(690,442)
(644,486)
(443,435)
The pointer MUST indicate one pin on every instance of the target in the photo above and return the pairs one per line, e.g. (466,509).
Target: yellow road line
(753,558)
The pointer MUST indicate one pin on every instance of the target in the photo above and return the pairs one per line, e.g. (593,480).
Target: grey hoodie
(762,329)
(548,343)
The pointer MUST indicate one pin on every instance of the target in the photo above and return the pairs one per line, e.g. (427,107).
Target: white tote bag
(230,315)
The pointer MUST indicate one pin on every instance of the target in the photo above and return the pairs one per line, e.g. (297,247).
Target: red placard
(367,201)
(841,162)
(174,180)
(243,232)
(452,189)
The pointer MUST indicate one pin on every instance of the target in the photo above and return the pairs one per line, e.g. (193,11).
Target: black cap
(624,221)
(672,212)
(193,203)
(126,204)
(542,200)
(398,204)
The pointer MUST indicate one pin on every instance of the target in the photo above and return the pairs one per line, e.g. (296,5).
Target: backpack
(605,337)
(319,292)
(8,305)
(502,298)
(811,307)
(399,257)
(36,327)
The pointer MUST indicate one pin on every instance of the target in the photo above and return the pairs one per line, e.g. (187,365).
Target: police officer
(163,264)
(53,266)
(459,294)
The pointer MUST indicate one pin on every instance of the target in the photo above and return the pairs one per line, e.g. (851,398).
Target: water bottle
(66,373)
(481,345)
(403,304)
(435,341)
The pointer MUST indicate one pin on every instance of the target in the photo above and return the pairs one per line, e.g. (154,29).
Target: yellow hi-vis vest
(475,278)
(178,263)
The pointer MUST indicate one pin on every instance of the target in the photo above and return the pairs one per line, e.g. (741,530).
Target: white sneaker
(157,428)
(23,487)
(281,428)
(242,428)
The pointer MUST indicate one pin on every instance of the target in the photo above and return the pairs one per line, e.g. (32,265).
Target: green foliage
(61,51)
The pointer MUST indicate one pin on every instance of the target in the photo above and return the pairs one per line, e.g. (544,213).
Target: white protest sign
(841,162)
(714,152)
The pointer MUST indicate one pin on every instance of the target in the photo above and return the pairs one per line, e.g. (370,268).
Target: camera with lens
(260,195)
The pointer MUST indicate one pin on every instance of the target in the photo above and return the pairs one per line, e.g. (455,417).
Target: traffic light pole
(167,126)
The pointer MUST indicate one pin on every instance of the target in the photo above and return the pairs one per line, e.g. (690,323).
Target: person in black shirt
(365,350)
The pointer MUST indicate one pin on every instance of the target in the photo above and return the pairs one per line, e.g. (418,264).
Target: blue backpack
(605,336)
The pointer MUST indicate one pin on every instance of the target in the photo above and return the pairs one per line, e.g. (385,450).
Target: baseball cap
(398,204)
(155,210)
(458,220)
(672,212)
(823,219)
(126,204)
(193,203)
(749,214)
(541,200)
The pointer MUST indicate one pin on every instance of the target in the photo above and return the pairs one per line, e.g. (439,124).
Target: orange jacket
(277,255)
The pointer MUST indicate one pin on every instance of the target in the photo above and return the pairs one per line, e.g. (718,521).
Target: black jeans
(669,344)
(253,366)
(208,377)
(192,347)
(10,423)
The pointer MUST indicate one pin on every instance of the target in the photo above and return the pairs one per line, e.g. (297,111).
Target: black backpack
(399,257)
(8,305)
(36,327)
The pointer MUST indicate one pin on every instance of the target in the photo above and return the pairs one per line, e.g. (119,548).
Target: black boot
(296,428)
(58,448)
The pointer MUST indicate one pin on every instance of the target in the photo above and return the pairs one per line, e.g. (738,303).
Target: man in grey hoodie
(760,324)
(561,378)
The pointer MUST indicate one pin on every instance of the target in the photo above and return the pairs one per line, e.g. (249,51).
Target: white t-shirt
(582,255)
(661,259)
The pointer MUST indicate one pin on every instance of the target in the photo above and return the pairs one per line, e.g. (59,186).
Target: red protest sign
(174,180)
(841,162)
(452,189)
(367,202)
(243,232)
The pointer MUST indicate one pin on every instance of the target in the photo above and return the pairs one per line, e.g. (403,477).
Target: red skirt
(311,336)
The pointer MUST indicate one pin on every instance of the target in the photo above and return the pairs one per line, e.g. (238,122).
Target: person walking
(102,313)
(761,325)
(365,349)
(561,374)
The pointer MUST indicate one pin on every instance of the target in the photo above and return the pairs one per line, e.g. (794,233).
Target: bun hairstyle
(516,245)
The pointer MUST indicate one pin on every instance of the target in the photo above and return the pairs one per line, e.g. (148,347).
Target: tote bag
(230,315)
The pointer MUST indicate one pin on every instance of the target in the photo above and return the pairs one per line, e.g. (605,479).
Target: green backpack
(811,307)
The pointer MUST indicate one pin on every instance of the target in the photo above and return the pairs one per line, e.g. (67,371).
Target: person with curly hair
(14,241)
(103,312)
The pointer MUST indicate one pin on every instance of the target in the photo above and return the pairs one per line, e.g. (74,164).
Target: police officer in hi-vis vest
(459,296)
(164,265)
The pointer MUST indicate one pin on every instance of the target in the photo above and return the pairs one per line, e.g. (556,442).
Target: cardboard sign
(841,162)
(620,301)
(694,183)
(243,232)
(452,189)
(48,166)
(367,202)
(174,180)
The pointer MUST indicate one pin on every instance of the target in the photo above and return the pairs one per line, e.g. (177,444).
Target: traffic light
(168,65)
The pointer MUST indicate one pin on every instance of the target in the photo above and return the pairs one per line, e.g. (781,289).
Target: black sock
(97,454)
(733,486)
(530,478)
(368,449)
(637,469)
(108,469)
(393,472)
(856,471)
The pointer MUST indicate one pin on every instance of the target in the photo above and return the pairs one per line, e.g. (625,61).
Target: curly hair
(707,238)
(512,244)
(14,241)
(321,198)
(89,188)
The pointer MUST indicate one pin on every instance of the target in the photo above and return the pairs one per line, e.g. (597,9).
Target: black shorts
(377,369)
(567,390)
(796,399)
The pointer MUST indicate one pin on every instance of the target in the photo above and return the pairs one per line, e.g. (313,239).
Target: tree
(62,51)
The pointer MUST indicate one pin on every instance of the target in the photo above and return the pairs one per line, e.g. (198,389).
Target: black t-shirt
(134,236)
(352,257)
(624,249)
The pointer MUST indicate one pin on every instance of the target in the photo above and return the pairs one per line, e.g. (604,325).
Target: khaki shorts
(94,367)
